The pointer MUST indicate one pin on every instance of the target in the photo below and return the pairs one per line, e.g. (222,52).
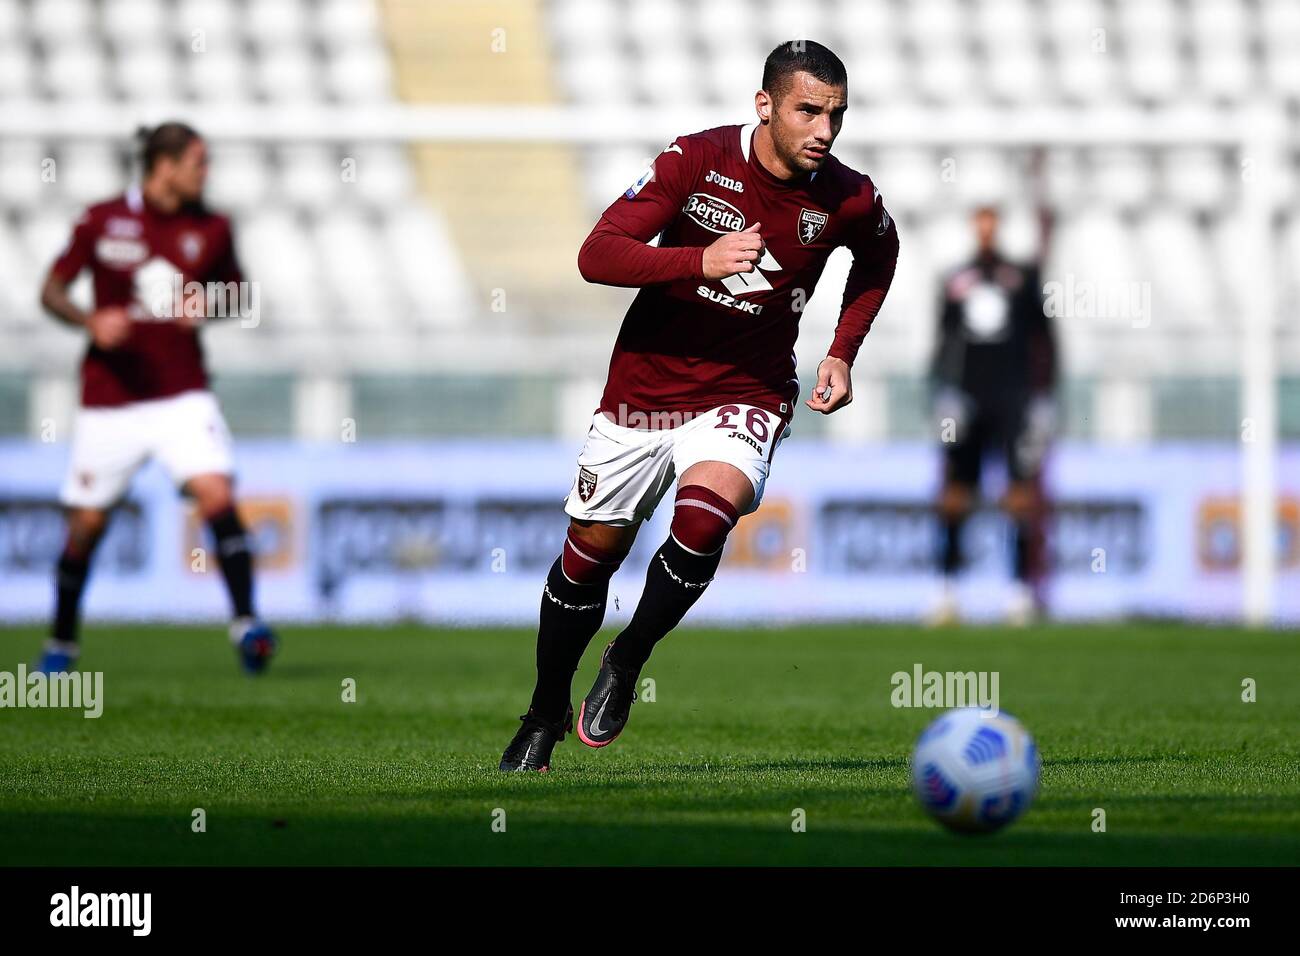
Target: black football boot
(603,714)
(533,743)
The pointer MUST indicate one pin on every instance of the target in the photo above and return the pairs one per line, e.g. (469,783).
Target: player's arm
(875,255)
(617,251)
(109,326)
(1043,358)
(225,274)
(945,361)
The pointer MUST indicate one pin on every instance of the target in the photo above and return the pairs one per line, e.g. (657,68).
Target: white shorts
(624,472)
(185,432)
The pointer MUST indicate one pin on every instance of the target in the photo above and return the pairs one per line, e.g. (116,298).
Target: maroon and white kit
(149,396)
(705,369)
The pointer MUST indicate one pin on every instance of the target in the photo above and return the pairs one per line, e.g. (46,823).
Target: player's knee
(1022,501)
(213,495)
(954,501)
(702,519)
(85,527)
(586,559)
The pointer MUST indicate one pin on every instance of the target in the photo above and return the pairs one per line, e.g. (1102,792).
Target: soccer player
(144,391)
(993,375)
(702,385)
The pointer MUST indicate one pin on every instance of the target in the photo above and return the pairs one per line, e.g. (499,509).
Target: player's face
(805,121)
(189,171)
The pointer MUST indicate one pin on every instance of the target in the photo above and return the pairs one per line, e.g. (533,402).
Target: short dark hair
(168,139)
(807,56)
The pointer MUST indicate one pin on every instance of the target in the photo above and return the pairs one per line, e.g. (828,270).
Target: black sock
(1023,566)
(570,617)
(70,582)
(950,545)
(235,560)
(673,583)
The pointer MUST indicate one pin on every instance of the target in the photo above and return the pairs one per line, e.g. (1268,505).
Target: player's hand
(109,326)
(834,388)
(733,252)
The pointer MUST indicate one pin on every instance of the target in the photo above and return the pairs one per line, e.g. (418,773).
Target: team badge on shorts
(586,484)
(811,224)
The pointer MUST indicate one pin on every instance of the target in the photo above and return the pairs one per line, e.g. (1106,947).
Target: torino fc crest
(811,224)
(586,484)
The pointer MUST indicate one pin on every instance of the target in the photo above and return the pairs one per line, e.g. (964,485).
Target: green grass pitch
(1143,721)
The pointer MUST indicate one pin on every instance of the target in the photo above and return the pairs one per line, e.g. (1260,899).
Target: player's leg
(192,442)
(86,528)
(573,608)
(961,475)
(108,447)
(213,496)
(622,473)
(711,496)
(721,479)
(1026,441)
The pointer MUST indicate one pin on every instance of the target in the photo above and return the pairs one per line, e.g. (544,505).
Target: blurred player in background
(144,390)
(702,384)
(993,376)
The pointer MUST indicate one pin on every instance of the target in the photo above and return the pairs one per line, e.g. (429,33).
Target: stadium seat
(238,180)
(1086,78)
(881,74)
(356,273)
(18,279)
(668,77)
(342,23)
(138,25)
(218,75)
(286,72)
(359,74)
(1194,177)
(309,175)
(1175,257)
(1121,177)
(61,21)
(90,173)
(146,74)
(275,21)
(1154,70)
(18,71)
(212,25)
(1016,76)
(276,251)
(383,175)
(428,269)
(76,69)
(946,75)
(21,184)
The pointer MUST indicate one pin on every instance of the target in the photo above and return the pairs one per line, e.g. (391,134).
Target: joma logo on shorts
(723,299)
(726,182)
(743,437)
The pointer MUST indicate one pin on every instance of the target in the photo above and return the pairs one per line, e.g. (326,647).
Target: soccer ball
(975,770)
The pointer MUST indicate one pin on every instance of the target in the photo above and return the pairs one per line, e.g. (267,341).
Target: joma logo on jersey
(729,300)
(726,182)
(714,214)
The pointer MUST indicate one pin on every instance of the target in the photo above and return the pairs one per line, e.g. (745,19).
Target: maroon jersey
(689,344)
(120,240)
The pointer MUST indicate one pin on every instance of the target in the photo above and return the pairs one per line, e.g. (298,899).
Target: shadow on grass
(87,839)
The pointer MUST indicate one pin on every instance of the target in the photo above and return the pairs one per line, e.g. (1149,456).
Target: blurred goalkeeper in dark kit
(993,379)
